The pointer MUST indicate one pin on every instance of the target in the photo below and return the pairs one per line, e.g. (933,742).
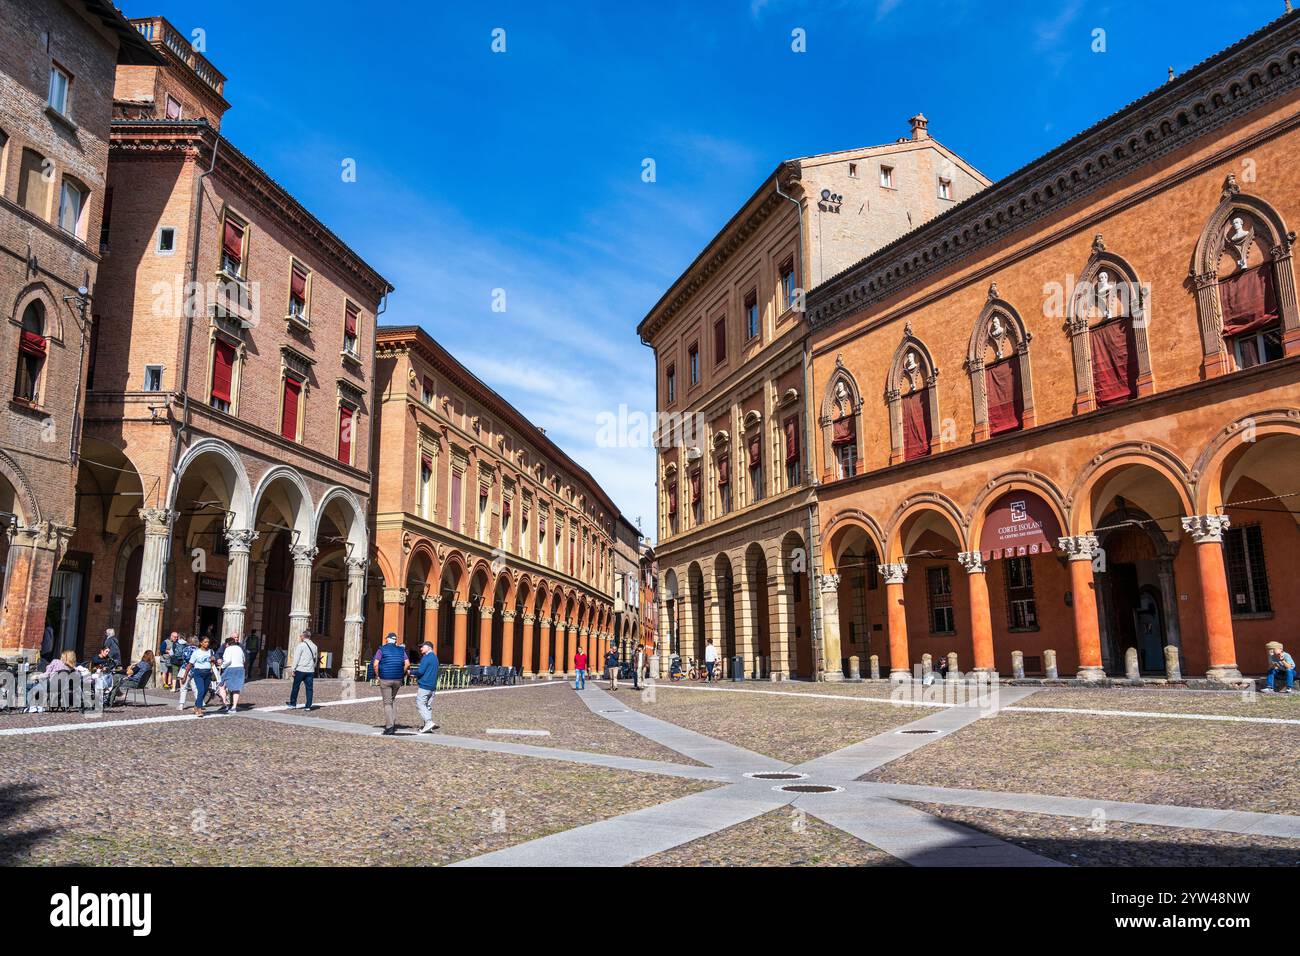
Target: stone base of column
(983,675)
(831,677)
(1226,673)
(1090,674)
(899,676)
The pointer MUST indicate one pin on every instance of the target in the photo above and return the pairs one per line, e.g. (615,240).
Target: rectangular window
(72,202)
(60,81)
(671,383)
(720,341)
(324,601)
(724,484)
(426,485)
(291,401)
(347,419)
(223,372)
(887,177)
(939,589)
(173,108)
(791,429)
(153,378)
(945,189)
(755,461)
(34,184)
(1247,574)
(751,315)
(166,241)
(105,219)
(232,247)
(483,513)
(853,170)
(426,390)
(846,457)
(1022,612)
(455,500)
(693,361)
(351,314)
(789,293)
(299,282)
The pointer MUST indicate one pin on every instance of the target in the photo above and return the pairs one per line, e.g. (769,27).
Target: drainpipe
(814,594)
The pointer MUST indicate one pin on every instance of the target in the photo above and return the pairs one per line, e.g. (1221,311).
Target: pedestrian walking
(200,672)
(184,683)
(710,657)
(638,664)
(391,664)
(580,669)
(611,668)
(304,669)
(232,675)
(426,680)
(252,644)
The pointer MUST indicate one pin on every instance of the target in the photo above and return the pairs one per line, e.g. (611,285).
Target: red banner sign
(1019,523)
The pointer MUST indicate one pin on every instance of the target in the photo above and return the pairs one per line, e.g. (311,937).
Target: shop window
(1022,612)
(1248,591)
(939,590)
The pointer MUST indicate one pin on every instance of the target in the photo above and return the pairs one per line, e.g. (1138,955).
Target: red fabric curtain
(427,461)
(289,417)
(482,492)
(350,322)
(695,487)
(1005,400)
(345,434)
(233,242)
(755,451)
(724,470)
(1114,362)
(916,424)
(672,498)
(32,343)
(844,431)
(223,364)
(298,283)
(1249,300)
(791,439)
(505,509)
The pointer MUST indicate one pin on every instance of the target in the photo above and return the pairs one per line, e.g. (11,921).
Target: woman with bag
(200,671)
(232,675)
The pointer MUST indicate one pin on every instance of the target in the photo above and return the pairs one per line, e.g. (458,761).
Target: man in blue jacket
(391,665)
(426,678)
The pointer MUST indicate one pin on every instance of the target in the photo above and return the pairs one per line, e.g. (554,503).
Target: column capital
(356,565)
(583,632)
(486,611)
(460,607)
(157,520)
(894,573)
(973,562)
(395,595)
(545,621)
(432,601)
(508,615)
(1207,529)
(1079,547)
(240,540)
(829,583)
(528,619)
(303,553)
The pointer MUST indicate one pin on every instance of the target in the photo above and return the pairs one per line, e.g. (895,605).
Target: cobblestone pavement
(1226,703)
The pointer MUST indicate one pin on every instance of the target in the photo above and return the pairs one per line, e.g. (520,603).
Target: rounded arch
(285,487)
(51,317)
(995,488)
(24,504)
(912,519)
(1097,483)
(1229,453)
(844,525)
(424,557)
(343,502)
(455,575)
(229,479)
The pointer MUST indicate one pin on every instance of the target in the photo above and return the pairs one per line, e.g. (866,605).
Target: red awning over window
(1249,300)
(345,434)
(791,439)
(844,431)
(724,470)
(426,460)
(505,510)
(916,424)
(1006,404)
(695,487)
(350,322)
(223,364)
(672,498)
(755,451)
(289,416)
(233,240)
(32,343)
(1114,362)
(298,283)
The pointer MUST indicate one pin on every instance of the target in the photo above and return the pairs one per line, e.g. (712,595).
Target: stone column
(354,613)
(544,647)
(300,597)
(34,556)
(1087,638)
(431,604)
(1173,636)
(664,637)
(563,656)
(896,620)
(239,542)
(1221,650)
(152,597)
(981,621)
(526,638)
(508,638)
(460,632)
(830,590)
(746,638)
(485,612)
(780,612)
(395,614)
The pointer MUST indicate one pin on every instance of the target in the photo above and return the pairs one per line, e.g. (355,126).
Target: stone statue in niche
(1105,294)
(910,368)
(997,334)
(1238,240)
(842,400)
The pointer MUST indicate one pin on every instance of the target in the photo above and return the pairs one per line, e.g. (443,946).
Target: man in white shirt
(710,656)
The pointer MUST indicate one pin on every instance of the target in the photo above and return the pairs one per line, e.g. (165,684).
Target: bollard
(855,668)
(1018,665)
(927,667)
(1173,671)
(1131,664)
(952,665)
(875,667)
(1049,665)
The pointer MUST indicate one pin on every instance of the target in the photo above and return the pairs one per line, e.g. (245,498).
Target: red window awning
(33,343)
(1114,362)
(695,487)
(792,439)
(233,240)
(1005,401)
(672,498)
(724,470)
(223,364)
(916,424)
(755,451)
(1248,300)
(350,322)
(844,431)
(298,283)
(345,434)
(289,415)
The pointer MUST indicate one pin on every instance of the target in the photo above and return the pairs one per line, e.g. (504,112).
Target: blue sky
(522,170)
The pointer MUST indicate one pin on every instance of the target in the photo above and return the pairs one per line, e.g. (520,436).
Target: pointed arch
(997,361)
(911,396)
(1243,256)
(841,423)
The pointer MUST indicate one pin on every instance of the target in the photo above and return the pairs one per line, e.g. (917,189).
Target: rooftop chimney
(919,127)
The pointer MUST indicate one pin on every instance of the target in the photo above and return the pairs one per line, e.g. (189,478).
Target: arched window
(1107,324)
(841,412)
(911,397)
(1245,285)
(998,364)
(32,349)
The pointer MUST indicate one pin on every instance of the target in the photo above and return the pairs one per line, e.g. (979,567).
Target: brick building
(224,479)
(489,540)
(57,64)
(627,588)
(737,511)
(1074,399)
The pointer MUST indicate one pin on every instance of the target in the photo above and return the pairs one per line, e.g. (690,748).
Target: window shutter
(792,439)
(233,242)
(223,364)
(1005,401)
(289,417)
(345,434)
(755,451)
(350,322)
(1114,362)
(916,424)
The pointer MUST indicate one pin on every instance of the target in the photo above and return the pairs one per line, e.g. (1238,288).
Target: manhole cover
(776,775)
(918,731)
(808,788)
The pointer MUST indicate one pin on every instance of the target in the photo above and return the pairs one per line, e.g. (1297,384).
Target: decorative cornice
(1243,78)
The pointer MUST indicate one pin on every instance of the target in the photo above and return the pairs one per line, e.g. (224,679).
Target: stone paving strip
(1156,714)
(1158,814)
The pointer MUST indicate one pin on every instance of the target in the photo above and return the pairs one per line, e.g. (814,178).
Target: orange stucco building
(1065,415)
